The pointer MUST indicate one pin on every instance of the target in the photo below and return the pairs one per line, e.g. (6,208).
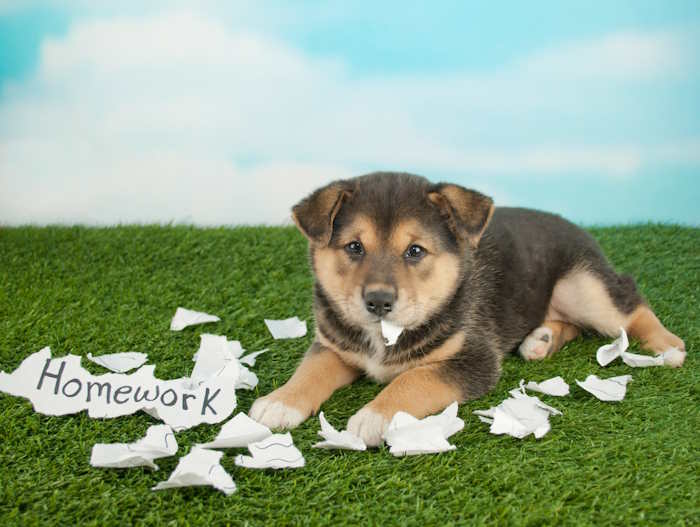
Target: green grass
(83,290)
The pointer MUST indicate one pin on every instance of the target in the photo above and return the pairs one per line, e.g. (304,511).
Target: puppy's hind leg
(547,339)
(604,301)
(645,326)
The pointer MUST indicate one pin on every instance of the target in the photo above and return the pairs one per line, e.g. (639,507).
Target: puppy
(469,283)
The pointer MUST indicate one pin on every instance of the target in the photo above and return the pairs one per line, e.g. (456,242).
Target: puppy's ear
(467,212)
(314,214)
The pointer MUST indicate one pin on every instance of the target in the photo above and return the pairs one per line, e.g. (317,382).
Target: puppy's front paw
(369,426)
(537,344)
(272,412)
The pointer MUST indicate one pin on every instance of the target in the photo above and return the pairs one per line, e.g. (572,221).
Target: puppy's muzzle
(379,301)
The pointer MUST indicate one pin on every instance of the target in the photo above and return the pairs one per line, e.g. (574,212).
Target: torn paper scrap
(555,386)
(610,389)
(277,451)
(408,436)
(519,416)
(250,358)
(186,317)
(671,357)
(608,353)
(340,440)
(158,442)
(220,345)
(60,386)
(247,380)
(200,467)
(214,358)
(239,432)
(289,328)
(618,348)
(447,420)
(519,393)
(120,362)
(390,332)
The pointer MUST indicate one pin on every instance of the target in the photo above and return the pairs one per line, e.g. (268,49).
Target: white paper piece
(408,436)
(519,416)
(289,328)
(159,442)
(60,386)
(390,332)
(239,432)
(219,345)
(200,467)
(277,451)
(340,440)
(608,353)
(611,389)
(555,386)
(120,362)
(186,317)
(618,348)
(250,358)
(247,380)
(216,357)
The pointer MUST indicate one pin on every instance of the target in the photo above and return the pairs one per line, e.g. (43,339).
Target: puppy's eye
(415,252)
(355,248)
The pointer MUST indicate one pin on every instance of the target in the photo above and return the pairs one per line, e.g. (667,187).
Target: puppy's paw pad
(369,426)
(537,344)
(674,357)
(275,414)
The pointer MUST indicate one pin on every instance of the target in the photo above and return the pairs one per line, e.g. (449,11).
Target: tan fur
(580,298)
(317,377)
(363,229)
(645,326)
(402,394)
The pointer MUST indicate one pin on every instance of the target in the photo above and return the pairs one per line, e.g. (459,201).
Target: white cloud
(177,117)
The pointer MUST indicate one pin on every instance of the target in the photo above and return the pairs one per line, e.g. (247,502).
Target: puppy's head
(391,245)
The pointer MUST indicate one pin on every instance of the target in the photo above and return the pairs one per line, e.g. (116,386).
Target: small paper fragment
(239,432)
(618,348)
(609,352)
(249,359)
(200,467)
(247,380)
(214,358)
(390,332)
(408,436)
(337,440)
(186,317)
(611,389)
(289,328)
(158,442)
(277,451)
(120,362)
(519,416)
(219,344)
(555,386)
(447,420)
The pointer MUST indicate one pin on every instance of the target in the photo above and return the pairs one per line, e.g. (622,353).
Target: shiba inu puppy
(469,283)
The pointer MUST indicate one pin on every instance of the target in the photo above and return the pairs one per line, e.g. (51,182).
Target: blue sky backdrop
(230,112)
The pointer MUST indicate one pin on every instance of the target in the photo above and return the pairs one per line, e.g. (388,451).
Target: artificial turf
(105,290)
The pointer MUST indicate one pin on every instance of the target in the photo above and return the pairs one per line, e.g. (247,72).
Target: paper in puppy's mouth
(390,332)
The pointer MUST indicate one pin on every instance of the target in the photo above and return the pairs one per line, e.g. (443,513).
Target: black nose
(379,302)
